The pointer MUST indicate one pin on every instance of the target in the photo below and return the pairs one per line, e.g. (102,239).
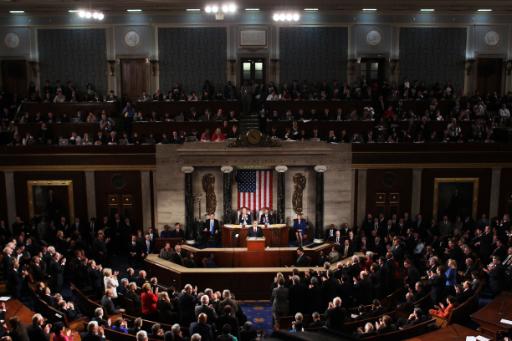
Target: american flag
(254,189)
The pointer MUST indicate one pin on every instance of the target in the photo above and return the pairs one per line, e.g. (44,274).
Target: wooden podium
(256,244)
(275,235)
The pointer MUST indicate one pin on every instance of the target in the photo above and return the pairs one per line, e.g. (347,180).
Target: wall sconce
(154,66)
(232,63)
(111,67)
(508,67)
(393,64)
(469,66)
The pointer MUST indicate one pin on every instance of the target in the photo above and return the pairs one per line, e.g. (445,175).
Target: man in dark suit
(94,332)
(267,218)
(255,230)
(302,259)
(346,250)
(205,308)
(148,245)
(166,233)
(330,233)
(335,314)
(202,328)
(244,217)
(177,256)
(38,331)
(212,226)
(134,250)
(178,231)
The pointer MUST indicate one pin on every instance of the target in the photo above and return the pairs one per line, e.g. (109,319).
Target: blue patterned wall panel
(313,53)
(191,55)
(433,55)
(79,55)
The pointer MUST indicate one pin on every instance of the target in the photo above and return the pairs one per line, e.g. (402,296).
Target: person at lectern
(255,230)
(299,226)
(244,217)
(266,218)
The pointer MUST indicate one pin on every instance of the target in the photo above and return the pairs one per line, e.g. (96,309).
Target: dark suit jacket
(90,337)
(335,317)
(216,226)
(257,233)
(36,333)
(247,220)
(303,261)
(202,329)
(269,218)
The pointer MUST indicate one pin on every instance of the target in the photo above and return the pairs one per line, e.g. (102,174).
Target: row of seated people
(451,132)
(106,121)
(325,90)
(393,112)
(58,92)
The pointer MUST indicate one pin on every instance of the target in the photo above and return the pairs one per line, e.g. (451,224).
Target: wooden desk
(255,244)
(246,283)
(275,235)
(450,332)
(489,316)
(16,308)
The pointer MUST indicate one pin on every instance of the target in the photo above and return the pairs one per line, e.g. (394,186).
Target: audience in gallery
(472,119)
(438,264)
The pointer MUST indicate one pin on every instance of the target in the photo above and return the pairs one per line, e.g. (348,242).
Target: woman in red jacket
(444,311)
(148,301)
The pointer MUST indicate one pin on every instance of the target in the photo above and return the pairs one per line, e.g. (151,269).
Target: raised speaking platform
(275,235)
(249,274)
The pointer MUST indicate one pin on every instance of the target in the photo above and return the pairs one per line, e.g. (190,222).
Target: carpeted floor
(260,314)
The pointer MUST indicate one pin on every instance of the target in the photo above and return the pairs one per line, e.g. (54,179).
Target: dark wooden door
(134,78)
(373,69)
(14,76)
(489,75)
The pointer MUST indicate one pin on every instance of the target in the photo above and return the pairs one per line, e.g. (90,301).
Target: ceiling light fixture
(133,10)
(86,14)
(310,9)
(252,9)
(369,9)
(286,16)
(427,10)
(484,10)
(193,10)
(226,8)
(16,12)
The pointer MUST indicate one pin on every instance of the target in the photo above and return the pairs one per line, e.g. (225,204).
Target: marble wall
(298,157)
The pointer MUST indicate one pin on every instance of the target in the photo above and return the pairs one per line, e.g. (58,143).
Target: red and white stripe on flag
(262,196)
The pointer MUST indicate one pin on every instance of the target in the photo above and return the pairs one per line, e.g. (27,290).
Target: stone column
(495,192)
(145,187)
(189,202)
(319,203)
(280,193)
(361,195)
(227,184)
(90,193)
(416,192)
(10,193)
